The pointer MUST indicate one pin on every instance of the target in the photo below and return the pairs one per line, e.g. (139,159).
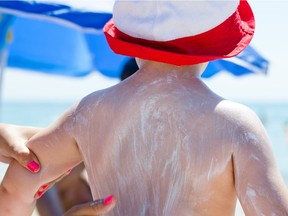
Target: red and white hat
(180,32)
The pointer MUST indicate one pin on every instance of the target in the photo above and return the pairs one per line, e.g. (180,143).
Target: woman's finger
(93,208)
(47,186)
(4,159)
(26,158)
(12,146)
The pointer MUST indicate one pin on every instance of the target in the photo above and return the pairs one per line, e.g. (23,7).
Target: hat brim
(226,40)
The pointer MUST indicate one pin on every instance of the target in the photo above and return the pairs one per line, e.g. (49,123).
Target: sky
(270,40)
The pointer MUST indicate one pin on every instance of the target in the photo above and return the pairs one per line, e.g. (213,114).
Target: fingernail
(33,166)
(39,194)
(44,187)
(108,200)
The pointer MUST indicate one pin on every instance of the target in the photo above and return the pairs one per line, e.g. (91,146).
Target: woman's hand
(12,146)
(93,208)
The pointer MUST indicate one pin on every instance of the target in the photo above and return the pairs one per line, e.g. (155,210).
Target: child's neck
(157,69)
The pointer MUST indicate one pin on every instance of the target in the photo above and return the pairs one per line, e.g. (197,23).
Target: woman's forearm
(16,192)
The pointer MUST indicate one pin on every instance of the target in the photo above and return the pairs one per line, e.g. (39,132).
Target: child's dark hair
(129,68)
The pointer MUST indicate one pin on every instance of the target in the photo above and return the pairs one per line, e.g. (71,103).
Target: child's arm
(57,152)
(258,182)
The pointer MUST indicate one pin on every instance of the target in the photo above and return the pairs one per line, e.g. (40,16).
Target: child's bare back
(164,144)
(171,147)
(161,141)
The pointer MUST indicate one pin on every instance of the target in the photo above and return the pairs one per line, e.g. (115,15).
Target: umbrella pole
(3,58)
(5,36)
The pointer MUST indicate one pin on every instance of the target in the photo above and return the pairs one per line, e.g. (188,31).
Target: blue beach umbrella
(247,62)
(66,38)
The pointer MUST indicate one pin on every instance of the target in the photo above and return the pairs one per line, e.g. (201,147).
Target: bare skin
(73,189)
(12,146)
(164,144)
(69,191)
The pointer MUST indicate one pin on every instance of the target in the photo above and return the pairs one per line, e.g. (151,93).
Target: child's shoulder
(237,113)
(231,106)
(96,97)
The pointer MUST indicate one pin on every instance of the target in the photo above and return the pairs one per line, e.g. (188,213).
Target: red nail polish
(39,194)
(33,166)
(108,200)
(44,187)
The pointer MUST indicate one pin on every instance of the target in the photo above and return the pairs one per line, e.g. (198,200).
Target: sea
(274,116)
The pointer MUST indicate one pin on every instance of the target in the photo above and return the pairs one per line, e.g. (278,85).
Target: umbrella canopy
(65,37)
